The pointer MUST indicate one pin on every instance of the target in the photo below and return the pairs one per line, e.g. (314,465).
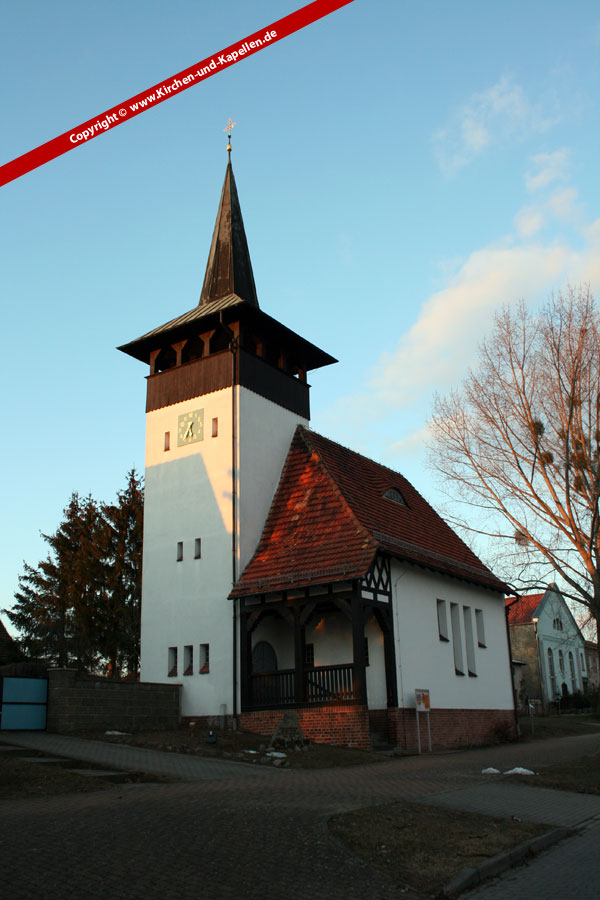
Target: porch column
(245,657)
(359,681)
(299,654)
(386,623)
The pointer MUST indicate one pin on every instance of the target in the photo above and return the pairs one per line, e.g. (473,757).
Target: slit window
(179,551)
(198,548)
(204,659)
(479,624)
(167,440)
(442,617)
(215,427)
(172,662)
(469,644)
(188,660)
(456,639)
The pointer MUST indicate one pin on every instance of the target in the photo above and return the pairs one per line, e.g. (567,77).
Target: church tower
(226,389)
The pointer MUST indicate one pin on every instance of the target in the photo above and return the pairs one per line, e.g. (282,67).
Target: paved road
(568,871)
(256,838)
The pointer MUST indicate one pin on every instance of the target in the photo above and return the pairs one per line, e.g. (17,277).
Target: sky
(404,170)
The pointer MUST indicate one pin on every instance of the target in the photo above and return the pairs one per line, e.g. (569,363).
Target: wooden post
(358,645)
(299,653)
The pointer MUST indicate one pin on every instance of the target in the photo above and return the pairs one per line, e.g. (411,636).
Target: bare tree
(519,443)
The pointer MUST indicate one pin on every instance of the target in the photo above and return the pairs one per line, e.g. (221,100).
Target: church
(283,571)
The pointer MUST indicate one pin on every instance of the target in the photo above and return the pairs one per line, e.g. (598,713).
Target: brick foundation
(342,726)
(450,728)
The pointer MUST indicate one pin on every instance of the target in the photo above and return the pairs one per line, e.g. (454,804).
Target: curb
(468,878)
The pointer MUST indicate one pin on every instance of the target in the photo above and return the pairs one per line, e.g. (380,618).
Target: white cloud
(547,167)
(434,352)
(491,116)
(529,221)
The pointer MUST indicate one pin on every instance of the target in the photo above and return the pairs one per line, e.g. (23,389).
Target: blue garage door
(23,703)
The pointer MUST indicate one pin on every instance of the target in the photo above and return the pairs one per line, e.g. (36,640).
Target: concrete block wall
(78,702)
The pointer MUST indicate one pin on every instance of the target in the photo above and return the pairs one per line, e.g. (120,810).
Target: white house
(282,570)
(549,659)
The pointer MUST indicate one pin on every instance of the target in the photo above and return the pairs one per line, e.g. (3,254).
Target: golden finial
(228,128)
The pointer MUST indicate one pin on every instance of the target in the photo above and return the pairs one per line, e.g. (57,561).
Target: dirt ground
(242,746)
(423,847)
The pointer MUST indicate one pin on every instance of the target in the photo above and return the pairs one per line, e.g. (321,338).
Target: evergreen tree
(121,610)
(81,605)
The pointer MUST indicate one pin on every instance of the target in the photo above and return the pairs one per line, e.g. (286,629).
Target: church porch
(325,652)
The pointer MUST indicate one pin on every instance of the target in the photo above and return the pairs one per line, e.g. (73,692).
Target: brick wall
(78,702)
(343,726)
(450,728)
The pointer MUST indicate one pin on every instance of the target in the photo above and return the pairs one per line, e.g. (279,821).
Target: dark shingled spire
(229,270)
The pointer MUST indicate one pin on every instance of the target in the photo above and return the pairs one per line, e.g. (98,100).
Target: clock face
(190,427)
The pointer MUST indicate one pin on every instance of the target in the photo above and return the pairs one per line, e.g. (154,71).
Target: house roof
(522,611)
(9,651)
(329,518)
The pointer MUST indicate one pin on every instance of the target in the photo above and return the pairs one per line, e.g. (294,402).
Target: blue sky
(403,168)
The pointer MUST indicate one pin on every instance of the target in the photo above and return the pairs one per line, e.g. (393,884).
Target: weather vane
(228,128)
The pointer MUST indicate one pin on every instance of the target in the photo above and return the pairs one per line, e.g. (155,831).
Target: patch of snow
(275,754)
(519,771)
(116,732)
(490,771)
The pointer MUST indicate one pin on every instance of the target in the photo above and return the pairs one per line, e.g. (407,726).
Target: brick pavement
(225,838)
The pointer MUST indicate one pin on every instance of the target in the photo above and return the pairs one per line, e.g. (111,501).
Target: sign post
(422,704)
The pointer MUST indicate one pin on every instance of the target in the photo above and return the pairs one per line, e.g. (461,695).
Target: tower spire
(229,270)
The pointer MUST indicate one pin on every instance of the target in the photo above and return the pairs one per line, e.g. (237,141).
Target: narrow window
(573,677)
(215,427)
(561,661)
(309,655)
(456,639)
(167,440)
(188,660)
(366,651)
(469,644)
(179,551)
(480,628)
(172,663)
(204,659)
(551,672)
(197,548)
(442,620)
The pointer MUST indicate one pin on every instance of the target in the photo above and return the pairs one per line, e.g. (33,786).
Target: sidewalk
(136,759)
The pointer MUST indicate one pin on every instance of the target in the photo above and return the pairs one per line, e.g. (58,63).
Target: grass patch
(234,744)
(19,779)
(579,775)
(558,726)
(423,847)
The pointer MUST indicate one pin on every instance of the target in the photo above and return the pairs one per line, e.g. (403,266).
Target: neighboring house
(9,651)
(284,571)
(592,665)
(548,649)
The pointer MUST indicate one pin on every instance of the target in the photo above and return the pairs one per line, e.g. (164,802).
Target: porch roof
(330,516)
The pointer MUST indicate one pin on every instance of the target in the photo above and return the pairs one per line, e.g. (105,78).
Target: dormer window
(395,496)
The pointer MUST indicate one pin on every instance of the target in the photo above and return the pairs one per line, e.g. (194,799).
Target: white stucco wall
(424,661)
(187,496)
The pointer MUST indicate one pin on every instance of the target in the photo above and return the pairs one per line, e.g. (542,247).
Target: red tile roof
(329,518)
(523,611)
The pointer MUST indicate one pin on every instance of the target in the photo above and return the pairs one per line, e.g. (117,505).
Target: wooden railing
(329,684)
(322,685)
